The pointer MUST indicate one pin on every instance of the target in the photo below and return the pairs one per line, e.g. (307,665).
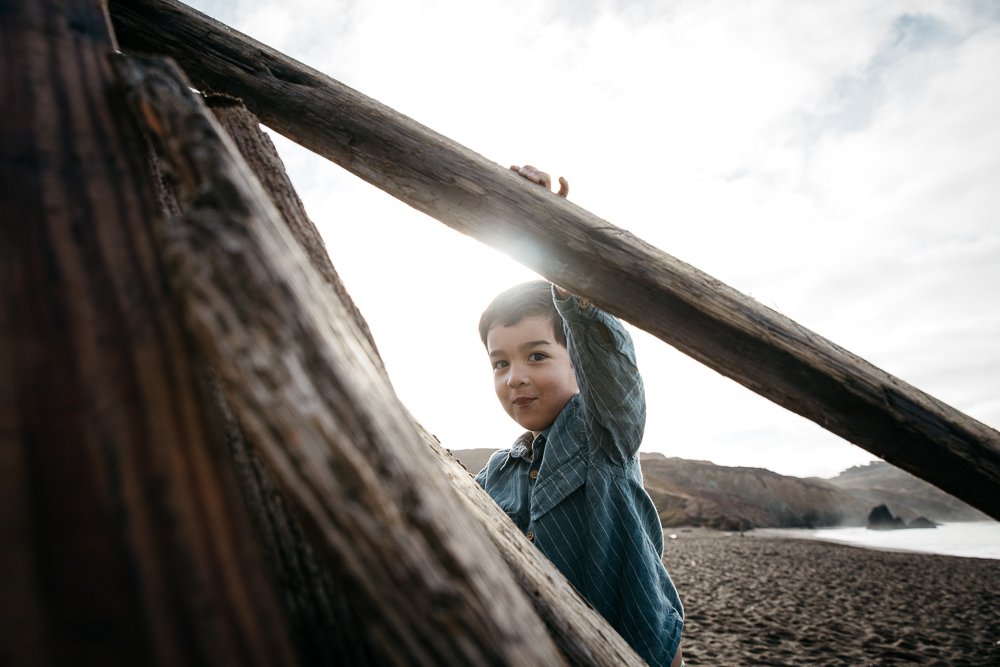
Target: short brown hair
(530,299)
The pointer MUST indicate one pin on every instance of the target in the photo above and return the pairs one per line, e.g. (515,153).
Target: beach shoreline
(971,539)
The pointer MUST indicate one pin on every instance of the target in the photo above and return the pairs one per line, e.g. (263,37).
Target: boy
(565,371)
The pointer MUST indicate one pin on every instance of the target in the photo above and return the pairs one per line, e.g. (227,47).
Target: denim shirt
(579,495)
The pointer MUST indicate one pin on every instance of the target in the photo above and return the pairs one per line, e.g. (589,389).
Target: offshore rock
(921,522)
(880,518)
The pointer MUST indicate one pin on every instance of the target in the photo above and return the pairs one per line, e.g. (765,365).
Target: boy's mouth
(521,401)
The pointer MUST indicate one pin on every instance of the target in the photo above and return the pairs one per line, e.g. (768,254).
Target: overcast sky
(837,161)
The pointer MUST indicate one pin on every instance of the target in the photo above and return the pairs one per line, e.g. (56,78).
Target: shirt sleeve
(611,388)
(495,461)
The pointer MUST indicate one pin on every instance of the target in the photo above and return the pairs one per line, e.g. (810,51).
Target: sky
(839,162)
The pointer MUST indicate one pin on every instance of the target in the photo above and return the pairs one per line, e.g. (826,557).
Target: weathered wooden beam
(124,537)
(713,323)
(326,627)
(582,635)
(309,394)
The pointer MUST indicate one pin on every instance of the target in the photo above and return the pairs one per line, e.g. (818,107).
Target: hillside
(701,493)
(704,494)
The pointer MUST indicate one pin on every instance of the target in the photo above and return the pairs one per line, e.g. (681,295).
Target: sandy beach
(768,601)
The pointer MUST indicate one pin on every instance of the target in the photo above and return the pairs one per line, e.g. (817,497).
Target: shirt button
(533,474)
(530,535)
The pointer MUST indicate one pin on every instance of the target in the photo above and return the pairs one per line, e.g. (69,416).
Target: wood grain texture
(707,320)
(308,392)
(124,538)
(325,627)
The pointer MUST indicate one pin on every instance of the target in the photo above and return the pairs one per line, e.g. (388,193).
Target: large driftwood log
(325,627)
(124,537)
(308,392)
(711,322)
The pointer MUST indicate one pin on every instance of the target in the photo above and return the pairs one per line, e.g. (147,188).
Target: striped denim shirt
(579,497)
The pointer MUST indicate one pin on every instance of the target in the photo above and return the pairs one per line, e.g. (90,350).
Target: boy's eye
(500,363)
(537,356)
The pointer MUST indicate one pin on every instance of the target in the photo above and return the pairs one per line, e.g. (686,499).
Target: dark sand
(769,601)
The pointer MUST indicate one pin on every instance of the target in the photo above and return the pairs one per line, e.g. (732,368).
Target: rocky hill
(700,493)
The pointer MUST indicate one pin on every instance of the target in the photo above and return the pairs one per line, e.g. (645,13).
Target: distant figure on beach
(565,371)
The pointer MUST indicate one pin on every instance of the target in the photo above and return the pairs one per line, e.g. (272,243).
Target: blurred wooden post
(713,323)
(124,538)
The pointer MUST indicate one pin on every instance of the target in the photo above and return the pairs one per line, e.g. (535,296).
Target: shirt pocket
(554,487)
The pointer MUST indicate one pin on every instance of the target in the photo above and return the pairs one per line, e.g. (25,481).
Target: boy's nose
(517,378)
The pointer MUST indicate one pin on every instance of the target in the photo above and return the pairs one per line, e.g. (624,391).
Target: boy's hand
(541,178)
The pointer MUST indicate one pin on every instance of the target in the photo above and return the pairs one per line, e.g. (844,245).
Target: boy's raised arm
(611,388)
(604,360)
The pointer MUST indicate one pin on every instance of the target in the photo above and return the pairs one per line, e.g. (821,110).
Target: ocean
(977,539)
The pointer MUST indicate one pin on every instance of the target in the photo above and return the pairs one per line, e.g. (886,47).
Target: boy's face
(532,373)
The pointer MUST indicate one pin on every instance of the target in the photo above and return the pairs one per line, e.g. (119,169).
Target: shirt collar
(520,448)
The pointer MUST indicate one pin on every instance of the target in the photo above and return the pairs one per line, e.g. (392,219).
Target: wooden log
(302,380)
(325,627)
(711,322)
(124,537)
(582,635)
